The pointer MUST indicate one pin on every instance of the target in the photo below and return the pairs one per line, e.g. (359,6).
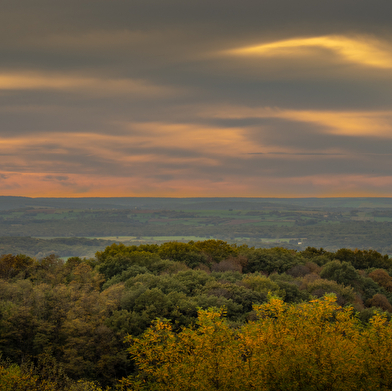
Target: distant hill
(218,203)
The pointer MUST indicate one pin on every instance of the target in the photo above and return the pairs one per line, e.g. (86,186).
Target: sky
(196,98)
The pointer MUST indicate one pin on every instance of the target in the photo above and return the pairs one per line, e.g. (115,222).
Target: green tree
(277,259)
(341,272)
(364,259)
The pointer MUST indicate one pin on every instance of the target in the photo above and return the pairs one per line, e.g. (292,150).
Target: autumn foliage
(63,324)
(312,346)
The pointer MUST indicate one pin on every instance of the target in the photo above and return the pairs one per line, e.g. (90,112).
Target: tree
(313,346)
(12,265)
(341,272)
(382,278)
(380,301)
(112,265)
(277,259)
(364,259)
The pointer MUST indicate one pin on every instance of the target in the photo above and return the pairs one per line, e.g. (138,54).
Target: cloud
(374,124)
(22,81)
(297,153)
(59,178)
(350,123)
(281,143)
(267,186)
(362,51)
(96,40)
(196,98)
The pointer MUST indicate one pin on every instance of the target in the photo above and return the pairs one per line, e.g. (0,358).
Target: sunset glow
(194,100)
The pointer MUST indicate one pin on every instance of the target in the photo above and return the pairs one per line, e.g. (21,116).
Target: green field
(329,223)
(149,238)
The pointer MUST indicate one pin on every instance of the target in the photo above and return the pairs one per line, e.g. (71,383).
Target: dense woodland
(85,324)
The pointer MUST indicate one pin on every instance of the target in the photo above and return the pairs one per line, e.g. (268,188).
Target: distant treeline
(63,247)
(63,324)
(197,203)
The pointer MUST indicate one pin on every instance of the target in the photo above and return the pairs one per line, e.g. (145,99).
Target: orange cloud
(84,84)
(37,185)
(144,144)
(350,123)
(206,138)
(78,185)
(182,159)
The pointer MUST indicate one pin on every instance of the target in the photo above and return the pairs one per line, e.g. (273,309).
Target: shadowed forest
(205,315)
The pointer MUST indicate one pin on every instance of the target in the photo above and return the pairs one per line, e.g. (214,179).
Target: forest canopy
(63,324)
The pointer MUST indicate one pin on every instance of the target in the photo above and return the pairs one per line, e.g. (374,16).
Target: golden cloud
(350,123)
(81,84)
(360,50)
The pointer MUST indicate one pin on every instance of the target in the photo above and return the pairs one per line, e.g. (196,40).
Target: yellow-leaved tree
(310,346)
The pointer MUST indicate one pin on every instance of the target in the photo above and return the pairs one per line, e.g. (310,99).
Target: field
(295,223)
